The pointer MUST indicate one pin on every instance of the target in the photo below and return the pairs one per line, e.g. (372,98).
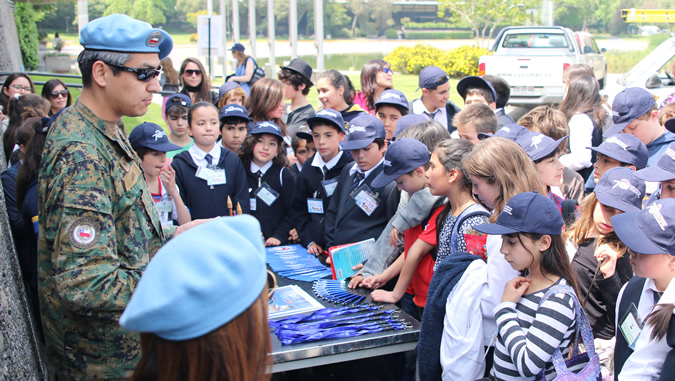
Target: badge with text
(266,194)
(365,199)
(253,204)
(329,186)
(631,326)
(164,208)
(212,174)
(315,205)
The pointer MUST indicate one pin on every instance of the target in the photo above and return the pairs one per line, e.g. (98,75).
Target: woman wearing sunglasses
(376,77)
(56,92)
(195,82)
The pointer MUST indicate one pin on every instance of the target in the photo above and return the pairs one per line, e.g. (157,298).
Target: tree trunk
(356,19)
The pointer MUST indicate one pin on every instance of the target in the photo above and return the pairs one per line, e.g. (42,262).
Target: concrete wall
(10,59)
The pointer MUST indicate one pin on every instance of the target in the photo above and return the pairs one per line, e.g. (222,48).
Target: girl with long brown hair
(266,103)
(376,76)
(195,81)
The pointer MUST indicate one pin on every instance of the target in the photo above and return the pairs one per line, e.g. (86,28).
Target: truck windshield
(535,40)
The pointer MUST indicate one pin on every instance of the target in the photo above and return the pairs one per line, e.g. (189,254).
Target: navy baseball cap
(664,169)
(301,67)
(431,77)
(151,136)
(402,156)
(363,130)
(511,131)
(121,33)
(303,132)
(625,148)
(327,115)
(629,105)
(178,99)
(670,125)
(393,97)
(537,145)
(473,81)
(266,128)
(528,212)
(227,86)
(233,110)
(619,188)
(649,231)
(237,47)
(408,121)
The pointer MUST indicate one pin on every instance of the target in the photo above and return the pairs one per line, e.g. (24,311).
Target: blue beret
(121,33)
(200,280)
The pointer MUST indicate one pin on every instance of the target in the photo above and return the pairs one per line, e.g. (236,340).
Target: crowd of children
(485,230)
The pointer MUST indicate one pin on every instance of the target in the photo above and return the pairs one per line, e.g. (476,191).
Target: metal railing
(58,75)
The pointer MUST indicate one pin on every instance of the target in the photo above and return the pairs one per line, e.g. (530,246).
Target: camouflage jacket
(98,230)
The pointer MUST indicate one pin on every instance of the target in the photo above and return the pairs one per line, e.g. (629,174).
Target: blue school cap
(628,105)
(363,130)
(152,136)
(472,81)
(237,47)
(511,131)
(402,156)
(537,145)
(650,230)
(408,121)
(624,148)
(121,33)
(266,128)
(528,212)
(233,110)
(185,292)
(327,115)
(227,86)
(177,99)
(303,132)
(664,169)
(431,77)
(619,188)
(393,97)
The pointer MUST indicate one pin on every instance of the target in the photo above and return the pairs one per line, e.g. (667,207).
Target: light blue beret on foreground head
(200,280)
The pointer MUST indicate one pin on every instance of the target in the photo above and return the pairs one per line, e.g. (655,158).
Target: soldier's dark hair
(296,79)
(87,58)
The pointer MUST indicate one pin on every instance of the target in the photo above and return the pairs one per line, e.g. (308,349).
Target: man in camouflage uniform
(98,225)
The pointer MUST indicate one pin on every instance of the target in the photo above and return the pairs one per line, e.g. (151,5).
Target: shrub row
(458,62)
(438,35)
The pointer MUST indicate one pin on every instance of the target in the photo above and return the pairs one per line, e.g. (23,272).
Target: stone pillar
(10,59)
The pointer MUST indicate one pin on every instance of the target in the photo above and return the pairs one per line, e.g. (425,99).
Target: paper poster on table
(345,257)
(291,300)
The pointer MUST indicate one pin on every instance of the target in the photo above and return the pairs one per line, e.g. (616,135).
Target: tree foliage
(151,11)
(485,15)
(26,18)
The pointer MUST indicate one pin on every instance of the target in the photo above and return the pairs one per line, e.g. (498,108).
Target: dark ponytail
(33,155)
(660,320)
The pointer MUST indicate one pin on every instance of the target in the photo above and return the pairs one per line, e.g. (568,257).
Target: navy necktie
(208,158)
(358,176)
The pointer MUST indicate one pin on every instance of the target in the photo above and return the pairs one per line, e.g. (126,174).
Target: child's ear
(655,116)
(452,175)
(545,242)
(342,136)
(632,167)
(419,171)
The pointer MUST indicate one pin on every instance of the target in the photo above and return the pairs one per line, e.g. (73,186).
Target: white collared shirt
(355,168)
(440,116)
(319,163)
(255,168)
(198,155)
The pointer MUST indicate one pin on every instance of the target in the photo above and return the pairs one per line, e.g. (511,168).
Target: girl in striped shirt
(529,333)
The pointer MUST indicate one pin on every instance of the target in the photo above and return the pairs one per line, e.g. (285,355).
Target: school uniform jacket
(503,118)
(346,222)
(207,201)
(311,226)
(275,220)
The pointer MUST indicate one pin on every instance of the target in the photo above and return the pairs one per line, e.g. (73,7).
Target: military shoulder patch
(83,233)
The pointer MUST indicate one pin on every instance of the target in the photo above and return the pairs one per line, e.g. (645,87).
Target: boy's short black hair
(486,93)
(177,110)
(232,120)
(401,109)
(296,79)
(142,151)
(380,142)
(550,155)
(295,143)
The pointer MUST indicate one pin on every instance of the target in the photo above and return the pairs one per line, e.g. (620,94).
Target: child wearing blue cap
(532,328)
(270,183)
(358,210)
(318,179)
(620,150)
(204,317)
(390,107)
(662,172)
(600,259)
(151,144)
(234,122)
(434,103)
(231,93)
(211,179)
(649,235)
(176,109)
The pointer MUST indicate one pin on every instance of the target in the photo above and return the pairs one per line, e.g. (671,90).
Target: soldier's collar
(109,129)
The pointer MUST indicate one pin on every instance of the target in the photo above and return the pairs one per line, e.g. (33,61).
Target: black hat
(299,66)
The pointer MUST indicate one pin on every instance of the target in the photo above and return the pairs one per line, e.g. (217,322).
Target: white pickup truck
(532,60)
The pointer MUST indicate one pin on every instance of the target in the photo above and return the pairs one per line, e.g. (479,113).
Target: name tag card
(631,326)
(365,199)
(212,174)
(315,205)
(266,194)
(329,186)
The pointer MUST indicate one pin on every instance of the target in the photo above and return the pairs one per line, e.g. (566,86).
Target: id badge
(164,209)
(315,205)
(329,186)
(266,194)
(253,204)
(215,175)
(631,326)
(365,199)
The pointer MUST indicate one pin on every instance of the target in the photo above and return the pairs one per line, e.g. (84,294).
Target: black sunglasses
(143,74)
(56,94)
(191,72)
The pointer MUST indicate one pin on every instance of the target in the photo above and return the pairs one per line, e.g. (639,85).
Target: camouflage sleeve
(91,274)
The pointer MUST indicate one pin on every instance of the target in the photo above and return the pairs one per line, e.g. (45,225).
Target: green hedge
(391,34)
(428,25)
(438,35)
(26,28)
